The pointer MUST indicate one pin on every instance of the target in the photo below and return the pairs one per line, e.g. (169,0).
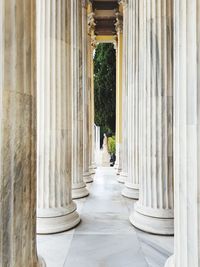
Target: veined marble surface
(105,237)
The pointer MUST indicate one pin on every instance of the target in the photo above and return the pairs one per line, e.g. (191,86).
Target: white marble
(119,89)
(122,177)
(56,211)
(105,236)
(154,211)
(124,172)
(90,65)
(79,189)
(155,248)
(170,262)
(86,103)
(54,248)
(186,134)
(131,189)
(105,162)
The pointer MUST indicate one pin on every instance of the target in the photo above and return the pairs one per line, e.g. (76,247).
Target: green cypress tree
(105,86)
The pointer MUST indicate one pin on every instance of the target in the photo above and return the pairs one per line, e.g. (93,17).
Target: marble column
(79,189)
(124,172)
(56,210)
(86,124)
(91,47)
(154,210)
(170,262)
(18,134)
(119,62)
(92,166)
(131,189)
(186,134)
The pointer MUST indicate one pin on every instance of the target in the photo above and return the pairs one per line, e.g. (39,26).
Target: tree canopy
(105,86)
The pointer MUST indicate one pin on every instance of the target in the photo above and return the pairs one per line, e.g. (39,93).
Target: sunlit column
(186,134)
(131,189)
(86,124)
(93,46)
(56,210)
(124,151)
(154,210)
(171,262)
(18,134)
(119,62)
(79,189)
(91,43)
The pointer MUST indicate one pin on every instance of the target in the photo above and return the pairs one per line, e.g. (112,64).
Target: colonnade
(186,134)
(43,68)
(150,114)
(163,121)
(46,65)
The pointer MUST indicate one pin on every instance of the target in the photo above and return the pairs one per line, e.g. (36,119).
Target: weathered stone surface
(17,134)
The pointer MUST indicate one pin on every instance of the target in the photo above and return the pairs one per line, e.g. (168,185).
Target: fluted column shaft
(187,133)
(90,72)
(131,189)
(86,173)
(123,174)
(154,211)
(78,185)
(92,140)
(56,210)
(17,134)
(119,62)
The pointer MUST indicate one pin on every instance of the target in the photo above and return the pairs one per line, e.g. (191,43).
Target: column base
(162,225)
(116,166)
(170,262)
(88,178)
(79,190)
(122,177)
(118,171)
(94,165)
(91,170)
(130,191)
(57,220)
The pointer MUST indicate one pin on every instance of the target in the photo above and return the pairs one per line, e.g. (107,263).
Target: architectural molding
(124,3)
(119,23)
(91,21)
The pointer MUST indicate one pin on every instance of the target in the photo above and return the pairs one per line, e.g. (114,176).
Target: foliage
(105,87)
(111,145)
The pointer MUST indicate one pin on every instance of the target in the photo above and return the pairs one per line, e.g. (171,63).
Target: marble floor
(105,238)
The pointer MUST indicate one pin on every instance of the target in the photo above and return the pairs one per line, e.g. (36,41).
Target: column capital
(93,41)
(119,23)
(91,21)
(124,3)
(115,42)
(84,3)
